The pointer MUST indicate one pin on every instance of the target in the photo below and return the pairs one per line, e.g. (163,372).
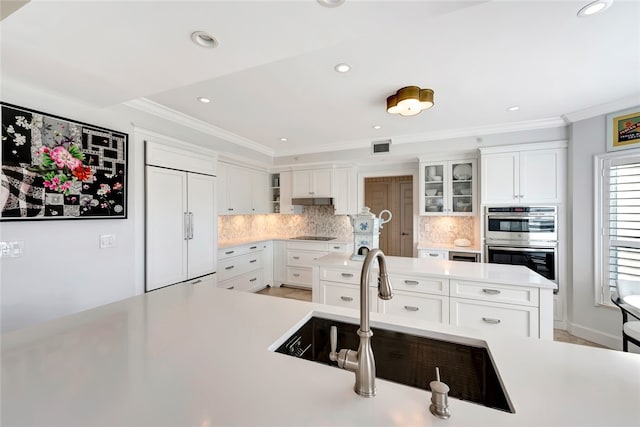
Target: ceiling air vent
(381,147)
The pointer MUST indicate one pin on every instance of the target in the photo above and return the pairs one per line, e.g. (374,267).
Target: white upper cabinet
(242,191)
(448,187)
(524,176)
(312,183)
(345,193)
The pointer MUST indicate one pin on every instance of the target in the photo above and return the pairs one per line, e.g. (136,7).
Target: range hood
(312,201)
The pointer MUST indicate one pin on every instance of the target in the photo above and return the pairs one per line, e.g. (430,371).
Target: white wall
(596,323)
(63,270)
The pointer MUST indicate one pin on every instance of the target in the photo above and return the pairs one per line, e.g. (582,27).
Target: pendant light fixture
(409,101)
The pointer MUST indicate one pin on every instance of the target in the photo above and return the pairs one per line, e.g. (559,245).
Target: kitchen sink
(408,359)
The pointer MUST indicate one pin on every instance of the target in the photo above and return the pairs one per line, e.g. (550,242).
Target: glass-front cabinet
(448,187)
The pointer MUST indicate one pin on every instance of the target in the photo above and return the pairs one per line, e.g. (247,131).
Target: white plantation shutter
(620,222)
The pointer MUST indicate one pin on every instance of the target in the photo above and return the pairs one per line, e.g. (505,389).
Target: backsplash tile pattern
(445,229)
(315,221)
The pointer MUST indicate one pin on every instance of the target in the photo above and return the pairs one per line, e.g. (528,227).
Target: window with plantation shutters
(619,223)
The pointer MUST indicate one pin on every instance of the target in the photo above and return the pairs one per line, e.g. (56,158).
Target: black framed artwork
(57,168)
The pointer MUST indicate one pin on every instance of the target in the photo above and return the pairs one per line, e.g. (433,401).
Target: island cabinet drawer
(248,282)
(511,294)
(432,254)
(339,247)
(345,295)
(303,258)
(308,246)
(433,308)
(239,250)
(235,266)
(299,276)
(420,284)
(340,276)
(502,319)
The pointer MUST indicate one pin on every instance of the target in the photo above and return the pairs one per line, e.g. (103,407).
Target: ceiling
(272,75)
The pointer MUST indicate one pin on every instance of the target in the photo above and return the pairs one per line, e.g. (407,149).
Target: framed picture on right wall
(623,129)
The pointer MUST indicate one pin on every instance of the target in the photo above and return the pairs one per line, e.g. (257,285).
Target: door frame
(407,171)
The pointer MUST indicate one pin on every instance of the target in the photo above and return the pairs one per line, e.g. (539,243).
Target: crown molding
(158,110)
(443,135)
(602,109)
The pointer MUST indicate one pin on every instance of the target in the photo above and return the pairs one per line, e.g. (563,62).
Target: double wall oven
(523,235)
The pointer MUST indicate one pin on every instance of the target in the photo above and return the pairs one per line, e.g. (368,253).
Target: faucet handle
(333,339)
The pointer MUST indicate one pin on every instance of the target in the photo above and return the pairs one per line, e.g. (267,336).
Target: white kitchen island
(500,299)
(195,355)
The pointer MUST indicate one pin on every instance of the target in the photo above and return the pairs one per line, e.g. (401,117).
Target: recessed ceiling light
(204,100)
(594,7)
(377,127)
(342,67)
(283,139)
(330,3)
(204,39)
(513,108)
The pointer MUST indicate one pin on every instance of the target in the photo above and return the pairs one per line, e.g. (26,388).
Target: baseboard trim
(598,337)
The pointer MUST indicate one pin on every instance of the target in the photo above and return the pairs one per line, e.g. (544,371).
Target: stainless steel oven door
(521,228)
(542,260)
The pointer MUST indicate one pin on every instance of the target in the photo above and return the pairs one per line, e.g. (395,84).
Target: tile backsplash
(315,221)
(445,229)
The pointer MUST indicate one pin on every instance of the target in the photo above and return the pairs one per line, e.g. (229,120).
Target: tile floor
(305,295)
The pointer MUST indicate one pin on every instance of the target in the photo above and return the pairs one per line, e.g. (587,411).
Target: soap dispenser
(439,397)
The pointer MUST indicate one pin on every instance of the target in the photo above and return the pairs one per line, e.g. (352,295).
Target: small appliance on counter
(366,232)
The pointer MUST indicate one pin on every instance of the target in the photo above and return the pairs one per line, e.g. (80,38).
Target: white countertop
(193,355)
(257,239)
(482,272)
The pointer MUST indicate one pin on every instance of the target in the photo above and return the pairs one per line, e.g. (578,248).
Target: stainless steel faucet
(362,361)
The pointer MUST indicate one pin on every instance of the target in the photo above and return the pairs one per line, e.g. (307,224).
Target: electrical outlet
(107,241)
(5,249)
(11,249)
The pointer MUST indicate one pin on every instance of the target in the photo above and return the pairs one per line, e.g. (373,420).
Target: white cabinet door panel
(166,232)
(201,205)
(500,175)
(540,173)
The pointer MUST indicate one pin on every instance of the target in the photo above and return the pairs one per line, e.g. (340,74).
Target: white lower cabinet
(503,319)
(434,308)
(241,268)
(495,308)
(299,258)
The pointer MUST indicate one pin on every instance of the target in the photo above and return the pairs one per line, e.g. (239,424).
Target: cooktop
(313,238)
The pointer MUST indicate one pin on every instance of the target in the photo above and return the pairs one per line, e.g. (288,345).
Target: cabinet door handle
(491,291)
(186,226)
(190,225)
(229,252)
(411,308)
(196,282)
(231,287)
(347,299)
(253,247)
(312,192)
(252,261)
(347,274)
(253,280)
(411,282)
(490,320)
(296,257)
(434,255)
(337,247)
(229,209)
(229,267)
(296,275)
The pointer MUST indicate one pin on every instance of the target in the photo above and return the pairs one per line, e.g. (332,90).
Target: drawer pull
(411,282)
(337,247)
(231,287)
(490,320)
(434,255)
(229,252)
(252,261)
(253,280)
(296,257)
(411,308)
(195,282)
(229,268)
(491,291)
(347,274)
(296,275)
(347,299)
(253,247)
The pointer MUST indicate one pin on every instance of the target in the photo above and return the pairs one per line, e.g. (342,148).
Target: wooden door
(406,219)
(376,196)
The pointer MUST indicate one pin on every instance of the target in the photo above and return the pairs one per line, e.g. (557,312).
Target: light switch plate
(107,240)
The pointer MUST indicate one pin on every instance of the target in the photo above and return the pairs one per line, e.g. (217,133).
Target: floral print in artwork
(55,168)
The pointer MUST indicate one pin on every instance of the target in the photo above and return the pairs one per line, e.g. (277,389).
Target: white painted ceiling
(272,76)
